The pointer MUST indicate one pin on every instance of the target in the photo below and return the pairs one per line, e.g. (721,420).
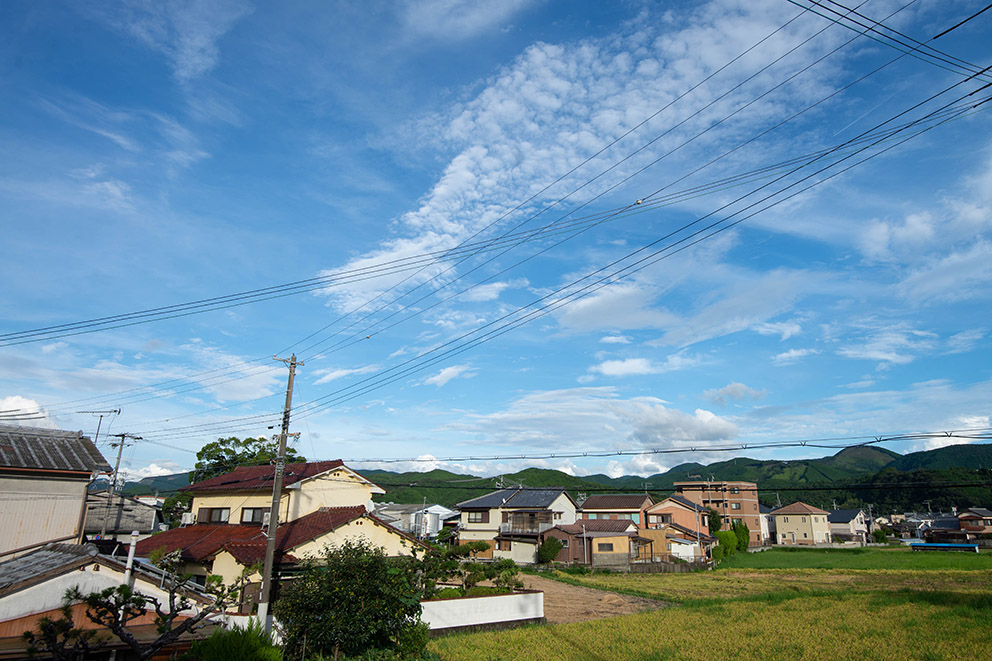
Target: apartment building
(733,501)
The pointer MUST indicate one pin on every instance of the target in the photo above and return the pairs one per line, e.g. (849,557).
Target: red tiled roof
(799,507)
(199,541)
(599,525)
(616,502)
(245,478)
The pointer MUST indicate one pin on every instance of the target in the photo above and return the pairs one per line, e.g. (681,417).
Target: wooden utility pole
(113,480)
(270,543)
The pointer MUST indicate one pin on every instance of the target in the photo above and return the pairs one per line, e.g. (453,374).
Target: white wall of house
(522,553)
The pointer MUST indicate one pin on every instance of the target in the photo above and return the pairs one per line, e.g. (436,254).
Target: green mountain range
(853,477)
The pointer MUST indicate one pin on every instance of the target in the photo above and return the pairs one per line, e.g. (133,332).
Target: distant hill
(850,477)
(953,456)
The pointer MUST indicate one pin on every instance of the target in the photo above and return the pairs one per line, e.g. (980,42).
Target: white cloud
(733,391)
(959,276)
(792,355)
(449,373)
(615,339)
(328,375)
(639,366)
(492,290)
(21,411)
(154,469)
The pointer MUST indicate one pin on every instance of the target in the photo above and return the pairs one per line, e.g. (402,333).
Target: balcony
(524,528)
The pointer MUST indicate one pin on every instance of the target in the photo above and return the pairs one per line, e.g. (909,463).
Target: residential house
(44,475)
(849,526)
(976,520)
(946,530)
(608,543)
(421,520)
(679,510)
(632,507)
(322,503)
(767,524)
(802,524)
(32,587)
(735,502)
(118,516)
(512,520)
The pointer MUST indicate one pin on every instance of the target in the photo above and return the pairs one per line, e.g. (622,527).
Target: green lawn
(801,604)
(858,558)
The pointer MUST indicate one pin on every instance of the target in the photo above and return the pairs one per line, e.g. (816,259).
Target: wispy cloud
(792,355)
(449,373)
(185,31)
(333,374)
(451,20)
(965,341)
(640,366)
(897,346)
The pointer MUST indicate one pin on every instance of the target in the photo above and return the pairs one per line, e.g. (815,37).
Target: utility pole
(113,482)
(270,543)
(96,437)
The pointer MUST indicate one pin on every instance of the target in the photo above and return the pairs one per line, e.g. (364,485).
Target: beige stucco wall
(802,528)
(239,500)
(34,510)
(520,552)
(565,506)
(339,488)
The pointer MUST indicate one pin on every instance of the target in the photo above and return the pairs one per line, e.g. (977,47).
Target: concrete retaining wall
(501,609)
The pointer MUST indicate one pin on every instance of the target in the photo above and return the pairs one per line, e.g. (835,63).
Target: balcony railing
(524,529)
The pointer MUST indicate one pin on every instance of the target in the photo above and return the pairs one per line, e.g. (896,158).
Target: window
(213,515)
(804,519)
(591,516)
(604,548)
(785,519)
(735,506)
(478,517)
(734,490)
(253,514)
(805,535)
(737,522)
(636,518)
(564,543)
(504,545)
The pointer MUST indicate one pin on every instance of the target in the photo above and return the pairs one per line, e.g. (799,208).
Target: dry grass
(843,625)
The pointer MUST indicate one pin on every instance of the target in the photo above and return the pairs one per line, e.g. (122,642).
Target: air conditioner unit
(188,518)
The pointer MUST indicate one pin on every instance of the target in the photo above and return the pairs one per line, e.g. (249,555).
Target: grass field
(791,606)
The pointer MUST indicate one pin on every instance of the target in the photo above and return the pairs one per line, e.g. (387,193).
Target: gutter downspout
(128,578)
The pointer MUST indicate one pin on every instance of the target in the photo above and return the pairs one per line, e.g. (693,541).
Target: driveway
(569,603)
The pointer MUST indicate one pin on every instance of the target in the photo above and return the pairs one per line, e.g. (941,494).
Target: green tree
(175,506)
(114,608)
(715,521)
(743,535)
(225,454)
(351,601)
(60,637)
(548,550)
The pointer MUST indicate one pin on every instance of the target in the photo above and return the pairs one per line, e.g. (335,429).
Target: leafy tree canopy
(715,521)
(225,454)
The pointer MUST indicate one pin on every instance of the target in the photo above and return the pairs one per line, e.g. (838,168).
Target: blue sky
(160,153)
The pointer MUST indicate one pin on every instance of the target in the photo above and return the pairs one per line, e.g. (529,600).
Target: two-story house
(802,524)
(849,526)
(322,503)
(511,520)
(976,520)
(617,507)
(44,475)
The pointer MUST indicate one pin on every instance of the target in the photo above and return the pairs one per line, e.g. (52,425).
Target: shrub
(743,535)
(548,550)
(450,593)
(879,536)
(354,599)
(484,591)
(728,540)
(717,553)
(250,643)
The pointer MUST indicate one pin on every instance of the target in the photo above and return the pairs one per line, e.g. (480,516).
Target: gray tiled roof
(125,514)
(842,516)
(49,558)
(49,449)
(515,498)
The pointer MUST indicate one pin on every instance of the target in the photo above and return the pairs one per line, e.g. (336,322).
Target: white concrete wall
(475,611)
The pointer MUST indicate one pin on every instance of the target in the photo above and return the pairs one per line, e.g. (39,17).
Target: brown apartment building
(733,501)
